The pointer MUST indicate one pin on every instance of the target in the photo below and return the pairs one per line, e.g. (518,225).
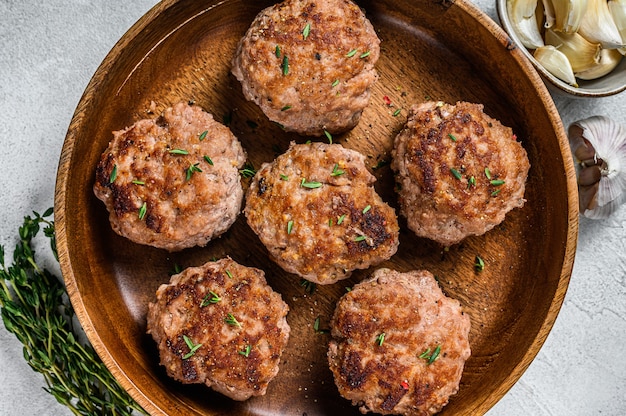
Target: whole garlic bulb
(598,145)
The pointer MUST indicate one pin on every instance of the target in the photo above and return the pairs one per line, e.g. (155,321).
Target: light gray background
(48,52)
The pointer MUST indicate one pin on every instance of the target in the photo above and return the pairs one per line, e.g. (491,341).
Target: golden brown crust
(309,83)
(459,171)
(236,359)
(321,233)
(392,375)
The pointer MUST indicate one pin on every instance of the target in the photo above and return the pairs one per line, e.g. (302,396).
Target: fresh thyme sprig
(35,308)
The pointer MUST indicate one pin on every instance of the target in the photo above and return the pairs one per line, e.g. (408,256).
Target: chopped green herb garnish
(487,173)
(380,339)
(397,112)
(479,264)
(336,171)
(496,192)
(328,136)
(306,31)
(289,226)
(340,219)
(364,55)
(248,171)
(308,285)
(430,358)
(316,327)
(452,137)
(142,211)
(192,348)
(367,208)
(360,238)
(455,173)
(310,185)
(208,160)
(285,108)
(284,177)
(178,152)
(471,181)
(210,298)
(231,320)
(285,65)
(351,53)
(136,182)
(335,83)
(246,351)
(277,51)
(497,182)
(193,168)
(203,135)
(229,274)
(330,222)
(113,175)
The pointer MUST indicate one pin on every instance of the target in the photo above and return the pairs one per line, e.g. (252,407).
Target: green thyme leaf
(246,351)
(340,219)
(397,112)
(455,173)
(178,152)
(351,53)
(191,170)
(360,238)
(285,108)
(487,173)
(136,182)
(364,55)
(284,177)
(497,182)
(210,298)
(335,83)
(277,51)
(311,185)
(380,339)
(231,320)
(479,264)
(192,348)
(306,31)
(328,136)
(367,208)
(452,137)
(142,211)
(289,226)
(113,175)
(285,65)
(208,160)
(308,285)
(336,171)
(203,135)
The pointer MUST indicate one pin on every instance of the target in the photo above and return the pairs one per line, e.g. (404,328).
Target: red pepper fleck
(405,385)
(387,100)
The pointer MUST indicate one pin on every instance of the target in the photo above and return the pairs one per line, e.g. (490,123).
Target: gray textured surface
(49,50)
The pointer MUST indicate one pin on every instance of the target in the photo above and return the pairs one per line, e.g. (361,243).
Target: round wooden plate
(448,51)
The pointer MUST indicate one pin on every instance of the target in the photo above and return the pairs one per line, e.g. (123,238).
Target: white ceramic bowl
(613,83)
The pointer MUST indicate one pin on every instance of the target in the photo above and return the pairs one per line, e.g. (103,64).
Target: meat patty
(458,170)
(220,324)
(399,344)
(317,212)
(172,182)
(309,64)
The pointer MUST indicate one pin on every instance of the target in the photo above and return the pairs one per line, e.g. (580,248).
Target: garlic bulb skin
(598,146)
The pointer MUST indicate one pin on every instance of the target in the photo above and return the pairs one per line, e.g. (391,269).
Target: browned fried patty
(309,64)
(222,325)
(318,214)
(399,344)
(173,181)
(458,170)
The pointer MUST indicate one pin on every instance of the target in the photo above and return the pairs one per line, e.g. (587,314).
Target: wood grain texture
(449,51)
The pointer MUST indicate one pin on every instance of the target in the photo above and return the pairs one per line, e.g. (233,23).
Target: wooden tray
(449,51)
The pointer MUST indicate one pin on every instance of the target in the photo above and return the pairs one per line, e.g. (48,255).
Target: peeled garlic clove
(609,59)
(618,11)
(581,53)
(522,16)
(556,63)
(597,25)
(601,178)
(568,14)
